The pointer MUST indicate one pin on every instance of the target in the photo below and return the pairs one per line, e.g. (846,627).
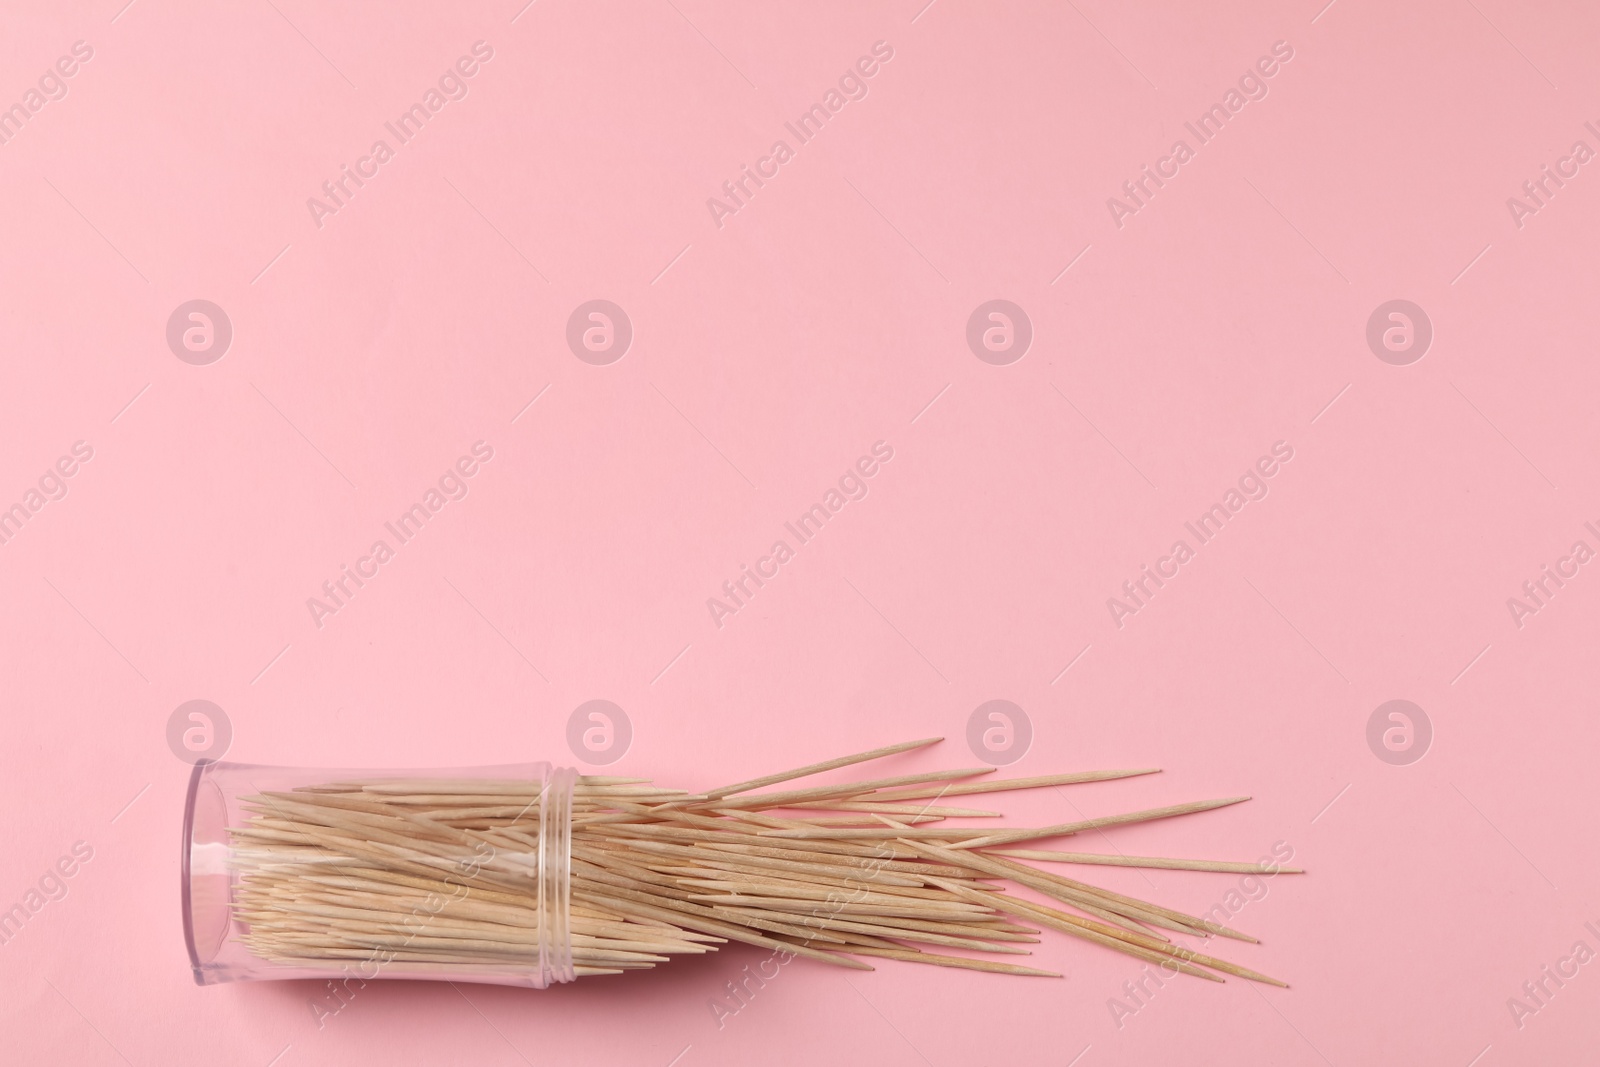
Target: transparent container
(459,874)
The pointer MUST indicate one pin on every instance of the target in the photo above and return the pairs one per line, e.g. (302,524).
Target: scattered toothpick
(440,875)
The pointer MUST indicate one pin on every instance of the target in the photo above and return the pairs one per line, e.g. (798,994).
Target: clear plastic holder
(292,872)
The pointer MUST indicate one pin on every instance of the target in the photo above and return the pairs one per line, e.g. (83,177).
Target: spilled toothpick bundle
(479,878)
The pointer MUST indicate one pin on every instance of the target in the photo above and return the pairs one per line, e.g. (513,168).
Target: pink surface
(1176,340)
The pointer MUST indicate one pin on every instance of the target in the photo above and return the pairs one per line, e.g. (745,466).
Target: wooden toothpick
(440,876)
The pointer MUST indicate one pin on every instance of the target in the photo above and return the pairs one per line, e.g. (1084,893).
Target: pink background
(827,314)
